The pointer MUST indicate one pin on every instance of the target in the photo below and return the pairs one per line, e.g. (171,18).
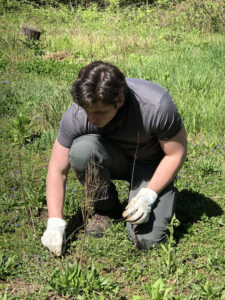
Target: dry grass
(95,189)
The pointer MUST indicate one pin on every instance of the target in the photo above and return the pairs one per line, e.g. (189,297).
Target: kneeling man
(128,129)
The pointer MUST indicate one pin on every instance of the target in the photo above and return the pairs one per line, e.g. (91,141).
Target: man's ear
(121,102)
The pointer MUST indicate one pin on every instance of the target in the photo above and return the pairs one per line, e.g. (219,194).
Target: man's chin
(98,125)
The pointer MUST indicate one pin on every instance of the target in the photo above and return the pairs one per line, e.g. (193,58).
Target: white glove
(54,236)
(139,208)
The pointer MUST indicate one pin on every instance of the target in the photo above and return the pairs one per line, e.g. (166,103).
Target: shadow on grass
(74,225)
(190,208)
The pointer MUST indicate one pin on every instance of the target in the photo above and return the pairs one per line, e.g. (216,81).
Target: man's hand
(139,208)
(54,236)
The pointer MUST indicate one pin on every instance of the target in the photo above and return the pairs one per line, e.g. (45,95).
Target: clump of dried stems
(95,189)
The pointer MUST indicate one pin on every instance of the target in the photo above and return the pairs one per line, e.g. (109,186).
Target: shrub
(204,15)
(8,6)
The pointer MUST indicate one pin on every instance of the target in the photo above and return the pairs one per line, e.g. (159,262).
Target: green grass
(182,48)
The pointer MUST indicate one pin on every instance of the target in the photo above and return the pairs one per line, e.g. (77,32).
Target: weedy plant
(21,131)
(168,249)
(158,291)
(5,295)
(85,284)
(7,267)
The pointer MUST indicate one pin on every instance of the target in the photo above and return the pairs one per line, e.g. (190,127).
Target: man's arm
(175,151)
(56,179)
(54,235)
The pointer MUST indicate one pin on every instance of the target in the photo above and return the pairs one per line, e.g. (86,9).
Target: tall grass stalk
(167,250)
(21,131)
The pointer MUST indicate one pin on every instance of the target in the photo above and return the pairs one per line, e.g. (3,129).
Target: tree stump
(31,33)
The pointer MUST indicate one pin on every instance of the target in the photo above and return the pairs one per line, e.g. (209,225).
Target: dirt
(19,287)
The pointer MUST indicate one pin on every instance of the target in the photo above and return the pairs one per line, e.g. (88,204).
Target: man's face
(100,114)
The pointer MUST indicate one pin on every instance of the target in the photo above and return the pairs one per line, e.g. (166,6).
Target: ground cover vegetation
(180,45)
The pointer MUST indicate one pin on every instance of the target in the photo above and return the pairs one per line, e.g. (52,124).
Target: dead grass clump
(60,55)
(95,189)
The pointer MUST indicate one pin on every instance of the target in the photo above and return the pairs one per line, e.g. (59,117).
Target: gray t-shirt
(148,115)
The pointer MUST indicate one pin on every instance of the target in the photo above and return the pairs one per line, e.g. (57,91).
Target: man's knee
(155,238)
(147,240)
(84,149)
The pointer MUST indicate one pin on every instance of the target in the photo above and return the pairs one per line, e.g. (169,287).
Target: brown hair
(98,81)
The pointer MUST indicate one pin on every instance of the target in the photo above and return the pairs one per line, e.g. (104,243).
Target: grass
(161,43)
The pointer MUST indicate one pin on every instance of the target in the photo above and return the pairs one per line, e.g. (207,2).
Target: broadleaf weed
(158,290)
(74,280)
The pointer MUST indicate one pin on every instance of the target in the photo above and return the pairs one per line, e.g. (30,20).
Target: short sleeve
(66,132)
(72,125)
(168,121)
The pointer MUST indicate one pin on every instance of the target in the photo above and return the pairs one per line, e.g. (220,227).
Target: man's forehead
(97,106)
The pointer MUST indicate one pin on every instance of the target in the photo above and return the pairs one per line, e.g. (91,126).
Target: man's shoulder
(73,112)
(146,91)
(72,125)
(143,84)
(73,120)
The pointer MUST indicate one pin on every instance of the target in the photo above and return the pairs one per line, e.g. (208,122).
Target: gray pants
(113,163)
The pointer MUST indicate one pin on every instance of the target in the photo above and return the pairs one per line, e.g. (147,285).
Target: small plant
(7,267)
(3,62)
(157,290)
(163,3)
(21,132)
(21,129)
(208,291)
(76,281)
(35,45)
(4,296)
(167,251)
